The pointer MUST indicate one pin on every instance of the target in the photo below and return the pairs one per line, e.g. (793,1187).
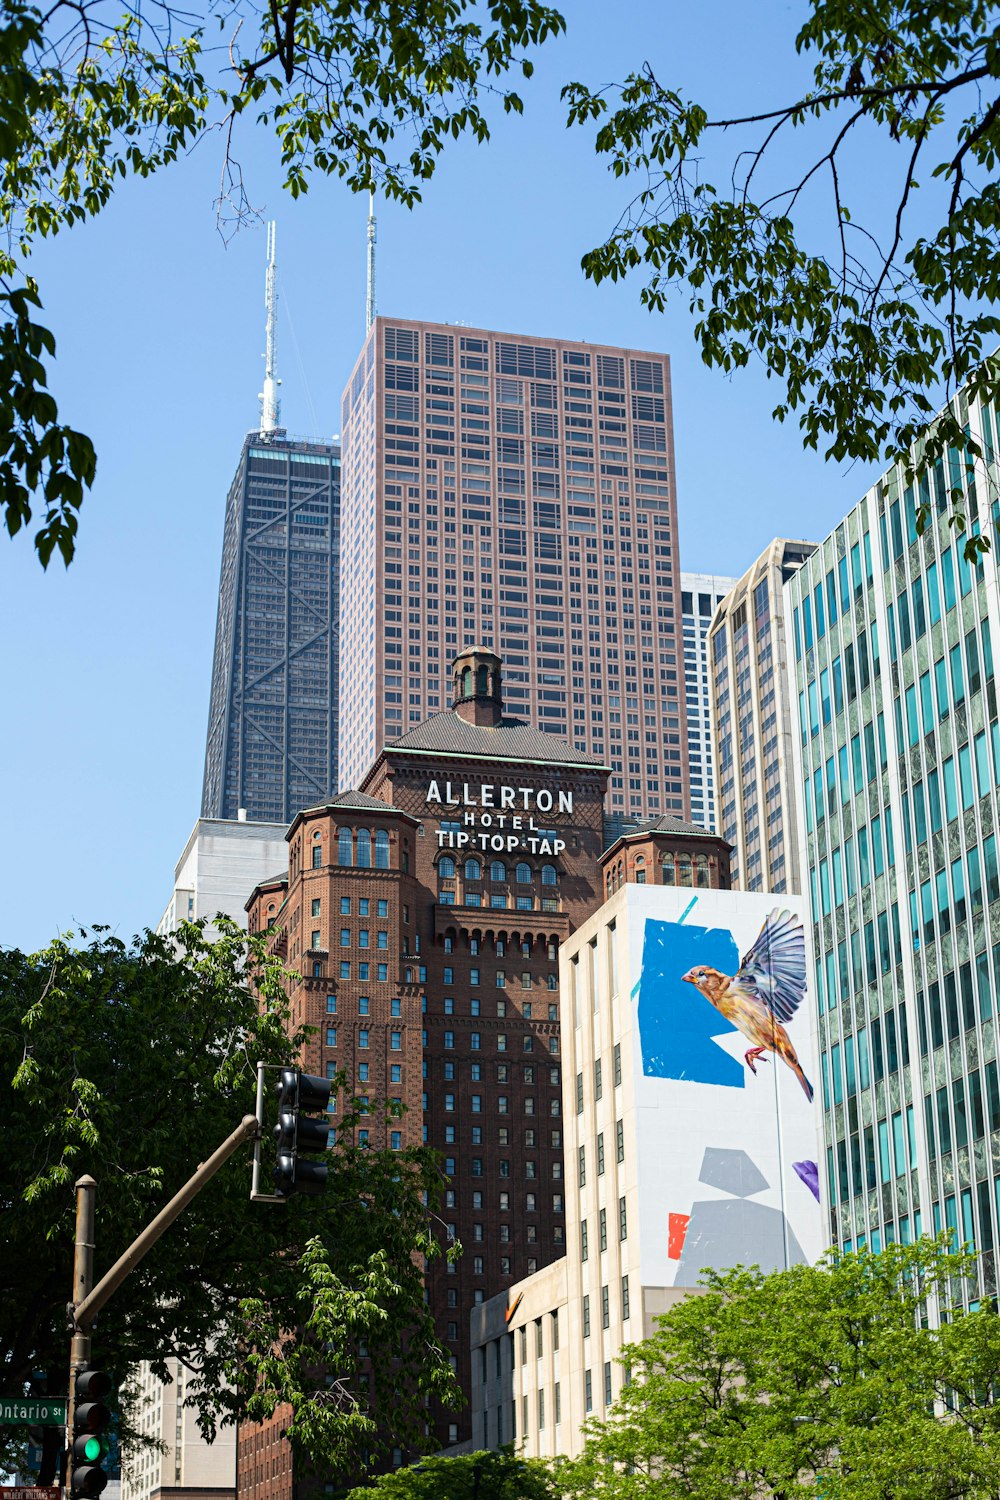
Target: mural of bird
(765,991)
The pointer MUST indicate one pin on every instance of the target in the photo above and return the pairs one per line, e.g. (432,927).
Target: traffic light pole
(89,1299)
(83,1280)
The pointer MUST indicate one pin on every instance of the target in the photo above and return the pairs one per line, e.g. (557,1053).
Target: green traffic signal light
(89,1447)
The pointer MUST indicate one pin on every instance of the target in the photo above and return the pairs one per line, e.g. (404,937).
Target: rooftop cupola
(478,697)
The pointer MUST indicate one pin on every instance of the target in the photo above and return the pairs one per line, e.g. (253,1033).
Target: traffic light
(296,1133)
(90,1443)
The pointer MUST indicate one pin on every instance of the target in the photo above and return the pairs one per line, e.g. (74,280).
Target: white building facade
(752,722)
(222,861)
(678,1154)
(185,1466)
(701,595)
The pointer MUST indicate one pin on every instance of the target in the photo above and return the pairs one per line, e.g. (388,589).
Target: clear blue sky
(160,331)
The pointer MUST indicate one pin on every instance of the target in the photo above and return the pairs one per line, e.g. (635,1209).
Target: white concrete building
(752,718)
(688,1144)
(221,863)
(701,595)
(186,1467)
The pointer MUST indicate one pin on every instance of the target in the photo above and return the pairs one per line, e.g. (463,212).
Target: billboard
(725,1073)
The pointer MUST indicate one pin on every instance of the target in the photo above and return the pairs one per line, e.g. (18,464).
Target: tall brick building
(425,911)
(519,491)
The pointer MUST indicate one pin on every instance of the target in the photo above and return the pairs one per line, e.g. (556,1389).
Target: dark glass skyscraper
(272,726)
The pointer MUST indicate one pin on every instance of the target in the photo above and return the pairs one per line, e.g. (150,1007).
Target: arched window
(669,875)
(498,870)
(549,876)
(473,870)
(381,849)
(701,869)
(446,867)
(483,680)
(467,682)
(640,859)
(364,848)
(524,874)
(344,853)
(684,869)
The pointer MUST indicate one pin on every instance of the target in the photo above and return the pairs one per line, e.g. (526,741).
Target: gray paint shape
(731,1172)
(732,1232)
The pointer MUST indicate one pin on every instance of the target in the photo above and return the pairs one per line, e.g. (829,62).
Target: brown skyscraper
(520,492)
(426,910)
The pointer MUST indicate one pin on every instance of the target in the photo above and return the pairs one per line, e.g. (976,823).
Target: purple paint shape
(809,1173)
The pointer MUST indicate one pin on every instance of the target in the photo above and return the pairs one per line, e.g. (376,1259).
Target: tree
(863,330)
(367,90)
(132,1063)
(817,1381)
(484,1475)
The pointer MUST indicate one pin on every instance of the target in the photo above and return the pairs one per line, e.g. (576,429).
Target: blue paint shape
(676,1022)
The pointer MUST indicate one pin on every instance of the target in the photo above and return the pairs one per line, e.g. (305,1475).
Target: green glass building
(897,768)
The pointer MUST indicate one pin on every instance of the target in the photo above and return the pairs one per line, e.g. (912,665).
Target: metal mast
(270,401)
(372,234)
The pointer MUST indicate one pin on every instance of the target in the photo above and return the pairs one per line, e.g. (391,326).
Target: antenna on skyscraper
(372,233)
(270,401)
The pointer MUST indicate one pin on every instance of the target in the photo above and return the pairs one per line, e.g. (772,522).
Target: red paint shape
(676,1230)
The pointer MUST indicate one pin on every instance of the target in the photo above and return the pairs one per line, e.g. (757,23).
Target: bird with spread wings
(765,991)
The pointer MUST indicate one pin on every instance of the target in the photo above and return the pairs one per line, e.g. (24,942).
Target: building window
(381,849)
(331,1036)
(549,876)
(584,1251)
(603,1228)
(618,1064)
(395,1041)
(586,1317)
(345,969)
(345,906)
(317,856)
(362,1039)
(625,1303)
(331,1005)
(345,937)
(600,1154)
(316,907)
(344,847)
(620,1140)
(605,1307)
(523,874)
(588,1392)
(607,1383)
(622,1220)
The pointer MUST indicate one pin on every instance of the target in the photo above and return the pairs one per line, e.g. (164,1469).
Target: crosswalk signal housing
(91,1418)
(296,1133)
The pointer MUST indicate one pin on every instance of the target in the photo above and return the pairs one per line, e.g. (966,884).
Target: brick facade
(425,912)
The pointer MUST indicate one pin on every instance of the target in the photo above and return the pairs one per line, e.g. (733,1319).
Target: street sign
(29,1492)
(30,1411)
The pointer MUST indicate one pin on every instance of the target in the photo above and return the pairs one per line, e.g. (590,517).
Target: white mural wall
(725,1071)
